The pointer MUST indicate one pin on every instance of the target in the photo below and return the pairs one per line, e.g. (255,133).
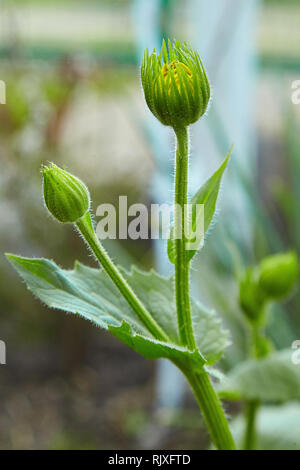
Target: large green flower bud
(278,274)
(175,84)
(66,197)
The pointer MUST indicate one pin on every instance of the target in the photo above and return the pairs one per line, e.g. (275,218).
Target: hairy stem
(211,408)
(85,227)
(182,265)
(205,394)
(250,433)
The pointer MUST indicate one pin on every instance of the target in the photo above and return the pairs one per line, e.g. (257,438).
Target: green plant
(153,315)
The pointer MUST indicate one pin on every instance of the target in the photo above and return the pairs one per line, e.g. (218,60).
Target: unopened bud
(175,84)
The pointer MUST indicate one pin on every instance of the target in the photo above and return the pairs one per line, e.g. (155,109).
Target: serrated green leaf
(206,195)
(277,428)
(90,293)
(272,379)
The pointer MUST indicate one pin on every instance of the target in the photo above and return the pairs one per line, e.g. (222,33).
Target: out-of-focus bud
(66,197)
(175,85)
(278,274)
(252,298)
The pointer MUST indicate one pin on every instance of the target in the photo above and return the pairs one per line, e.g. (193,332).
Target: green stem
(211,408)
(252,406)
(205,394)
(182,265)
(85,227)
(250,434)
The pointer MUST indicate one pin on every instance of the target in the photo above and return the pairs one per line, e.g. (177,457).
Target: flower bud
(66,197)
(252,298)
(175,85)
(278,274)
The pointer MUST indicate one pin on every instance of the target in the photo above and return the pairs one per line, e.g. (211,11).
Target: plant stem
(211,408)
(182,265)
(85,227)
(205,394)
(250,434)
(252,406)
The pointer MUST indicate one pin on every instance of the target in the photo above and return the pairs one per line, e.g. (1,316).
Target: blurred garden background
(73,96)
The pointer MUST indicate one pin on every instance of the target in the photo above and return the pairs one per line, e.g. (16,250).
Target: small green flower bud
(175,85)
(66,197)
(278,274)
